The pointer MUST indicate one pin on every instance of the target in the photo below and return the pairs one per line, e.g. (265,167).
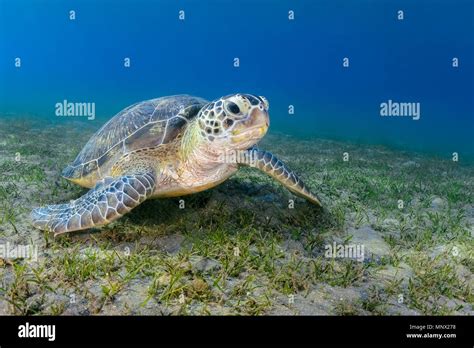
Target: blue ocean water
(295,62)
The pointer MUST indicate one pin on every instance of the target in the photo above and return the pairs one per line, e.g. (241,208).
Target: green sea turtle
(165,147)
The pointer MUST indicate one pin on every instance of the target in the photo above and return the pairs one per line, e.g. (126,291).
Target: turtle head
(236,121)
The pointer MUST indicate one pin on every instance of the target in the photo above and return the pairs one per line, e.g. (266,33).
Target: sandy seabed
(242,248)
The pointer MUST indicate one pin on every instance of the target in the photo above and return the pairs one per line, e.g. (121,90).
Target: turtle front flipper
(271,165)
(109,200)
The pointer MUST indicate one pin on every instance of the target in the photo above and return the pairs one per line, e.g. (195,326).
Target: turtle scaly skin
(270,164)
(100,206)
(165,147)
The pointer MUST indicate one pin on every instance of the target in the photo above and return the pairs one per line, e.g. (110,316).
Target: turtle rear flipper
(105,203)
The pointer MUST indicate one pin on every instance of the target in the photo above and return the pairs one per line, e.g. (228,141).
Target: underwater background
(295,62)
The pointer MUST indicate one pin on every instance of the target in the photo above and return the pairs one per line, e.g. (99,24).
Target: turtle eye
(233,108)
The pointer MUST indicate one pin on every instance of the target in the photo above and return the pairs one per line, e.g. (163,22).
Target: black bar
(259,330)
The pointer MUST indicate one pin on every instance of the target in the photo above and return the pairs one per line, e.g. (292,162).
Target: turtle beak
(253,128)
